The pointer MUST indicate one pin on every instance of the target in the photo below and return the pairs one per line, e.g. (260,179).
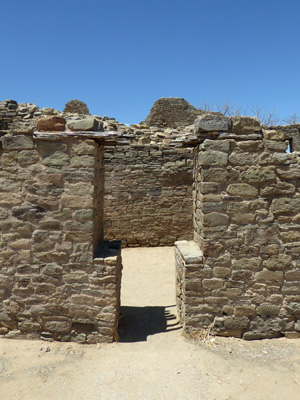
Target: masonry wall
(57,278)
(148,195)
(243,278)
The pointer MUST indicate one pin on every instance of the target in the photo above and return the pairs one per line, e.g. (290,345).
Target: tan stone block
(268,310)
(79,189)
(242,189)
(10,199)
(212,283)
(212,158)
(51,124)
(270,276)
(215,219)
(84,147)
(219,175)
(257,174)
(243,218)
(9,159)
(279,262)
(17,142)
(270,134)
(20,244)
(79,237)
(82,300)
(243,158)
(285,205)
(221,272)
(244,310)
(252,264)
(77,201)
(83,161)
(242,322)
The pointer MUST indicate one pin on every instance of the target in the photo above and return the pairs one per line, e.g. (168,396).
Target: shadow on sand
(137,323)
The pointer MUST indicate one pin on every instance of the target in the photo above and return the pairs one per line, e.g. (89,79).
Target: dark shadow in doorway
(137,323)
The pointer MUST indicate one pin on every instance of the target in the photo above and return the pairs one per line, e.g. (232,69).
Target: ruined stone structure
(60,277)
(172,112)
(148,194)
(76,106)
(240,277)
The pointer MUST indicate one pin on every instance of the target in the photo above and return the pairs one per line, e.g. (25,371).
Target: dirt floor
(152,360)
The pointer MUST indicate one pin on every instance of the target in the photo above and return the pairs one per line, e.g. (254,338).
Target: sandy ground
(152,360)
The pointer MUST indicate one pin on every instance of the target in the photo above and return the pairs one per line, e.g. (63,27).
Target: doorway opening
(148,304)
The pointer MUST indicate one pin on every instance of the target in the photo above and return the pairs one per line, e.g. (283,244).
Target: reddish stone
(51,124)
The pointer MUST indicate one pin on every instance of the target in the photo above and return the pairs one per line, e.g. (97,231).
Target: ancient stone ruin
(73,187)
(76,107)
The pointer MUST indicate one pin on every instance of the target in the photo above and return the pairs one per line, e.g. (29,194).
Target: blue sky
(120,56)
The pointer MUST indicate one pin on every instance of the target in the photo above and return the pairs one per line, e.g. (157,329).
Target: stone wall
(148,195)
(57,279)
(172,112)
(241,275)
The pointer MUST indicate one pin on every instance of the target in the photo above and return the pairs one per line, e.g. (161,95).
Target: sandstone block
(77,201)
(291,172)
(189,251)
(269,276)
(82,161)
(257,174)
(51,124)
(243,158)
(219,145)
(79,189)
(213,283)
(242,322)
(243,218)
(268,310)
(211,123)
(242,189)
(293,308)
(212,158)
(275,145)
(250,145)
(10,199)
(243,124)
(293,275)
(28,157)
(285,205)
(215,219)
(221,272)
(244,310)
(279,188)
(271,134)
(208,187)
(85,124)
(57,159)
(58,326)
(219,175)
(82,299)
(84,147)
(17,142)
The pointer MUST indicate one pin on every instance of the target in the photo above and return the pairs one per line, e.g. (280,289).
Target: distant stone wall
(57,278)
(172,112)
(241,275)
(148,195)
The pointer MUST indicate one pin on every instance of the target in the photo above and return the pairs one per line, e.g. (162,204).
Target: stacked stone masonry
(243,277)
(148,195)
(58,279)
(240,276)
